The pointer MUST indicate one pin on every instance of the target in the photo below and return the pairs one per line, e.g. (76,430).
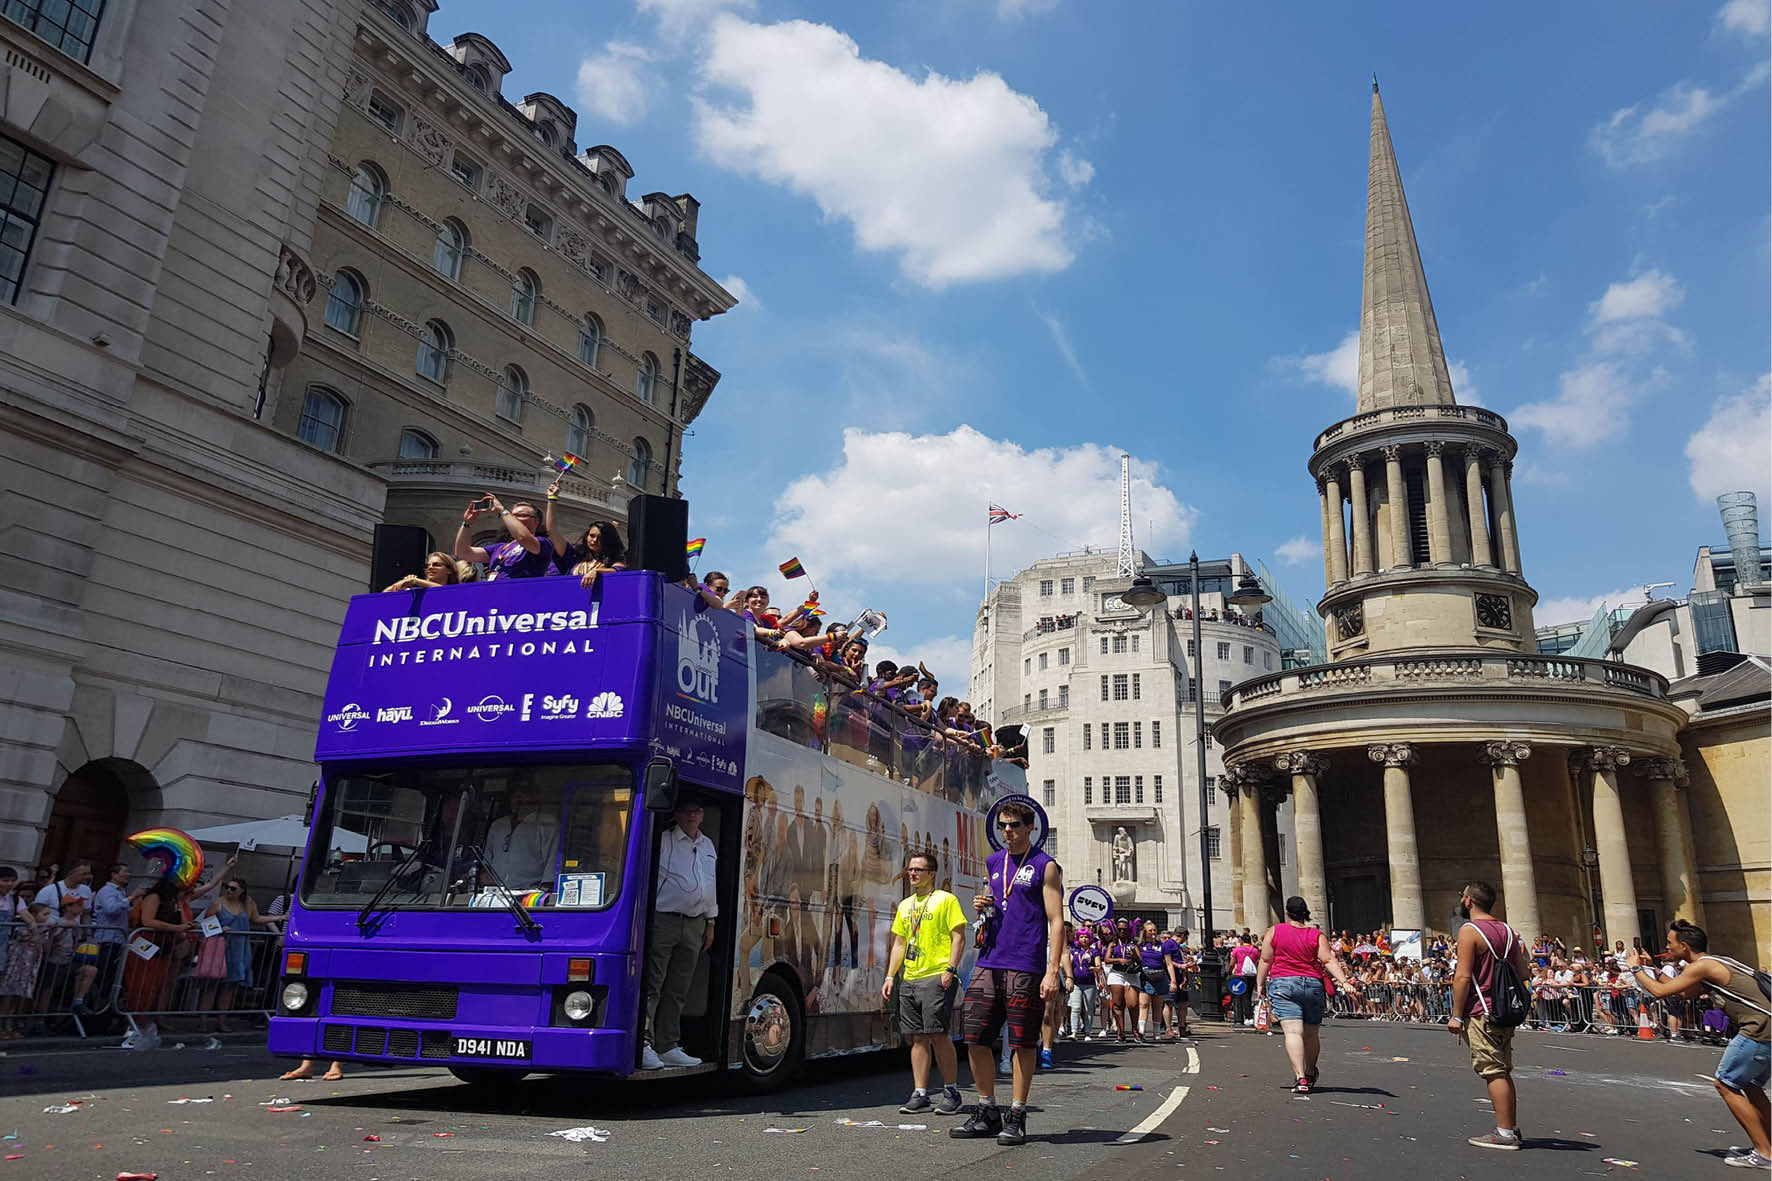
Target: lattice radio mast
(1128,567)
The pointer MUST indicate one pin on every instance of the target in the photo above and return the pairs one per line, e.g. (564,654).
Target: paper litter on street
(579,1135)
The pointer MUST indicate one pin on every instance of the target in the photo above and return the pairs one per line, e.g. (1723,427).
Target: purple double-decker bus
(498,763)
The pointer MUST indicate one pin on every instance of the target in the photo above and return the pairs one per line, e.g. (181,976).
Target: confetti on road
(1621,1163)
(579,1135)
(287,1107)
(191,1100)
(1399,1059)
(138,1177)
(1558,1073)
(1220,1130)
(281,1102)
(442,1135)
(1128,1087)
(61,1109)
(372,1139)
(786,1131)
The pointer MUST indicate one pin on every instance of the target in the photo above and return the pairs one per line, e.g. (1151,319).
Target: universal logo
(348,716)
(604,705)
(491,708)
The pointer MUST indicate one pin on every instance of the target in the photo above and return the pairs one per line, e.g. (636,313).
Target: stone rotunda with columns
(1436,745)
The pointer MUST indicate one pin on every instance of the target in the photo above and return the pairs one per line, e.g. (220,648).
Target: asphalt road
(1393,1100)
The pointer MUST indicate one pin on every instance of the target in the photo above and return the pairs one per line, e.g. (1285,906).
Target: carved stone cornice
(1508,753)
(1301,762)
(1391,754)
(1606,758)
(1661,767)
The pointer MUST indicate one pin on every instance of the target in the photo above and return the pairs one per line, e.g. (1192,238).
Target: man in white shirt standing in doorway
(682,930)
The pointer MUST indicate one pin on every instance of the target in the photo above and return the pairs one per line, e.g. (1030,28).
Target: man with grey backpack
(1488,1003)
(1747,999)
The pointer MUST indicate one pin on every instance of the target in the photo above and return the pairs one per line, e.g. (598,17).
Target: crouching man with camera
(1742,1074)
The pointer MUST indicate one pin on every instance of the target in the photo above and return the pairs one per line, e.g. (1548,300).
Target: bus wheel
(485,1077)
(774,1034)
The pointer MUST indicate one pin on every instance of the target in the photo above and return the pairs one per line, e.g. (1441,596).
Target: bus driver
(524,846)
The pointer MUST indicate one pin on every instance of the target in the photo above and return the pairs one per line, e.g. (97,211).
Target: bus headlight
(295,996)
(578,1006)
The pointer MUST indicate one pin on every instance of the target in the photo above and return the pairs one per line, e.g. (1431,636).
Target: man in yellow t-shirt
(928,939)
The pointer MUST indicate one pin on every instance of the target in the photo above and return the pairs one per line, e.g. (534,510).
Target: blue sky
(982,246)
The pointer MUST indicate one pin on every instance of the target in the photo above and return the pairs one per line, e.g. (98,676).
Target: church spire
(1401,360)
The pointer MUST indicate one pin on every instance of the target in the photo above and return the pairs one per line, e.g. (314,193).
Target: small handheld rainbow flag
(792,569)
(694,548)
(811,607)
(567,462)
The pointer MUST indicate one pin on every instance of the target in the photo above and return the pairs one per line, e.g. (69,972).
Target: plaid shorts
(999,996)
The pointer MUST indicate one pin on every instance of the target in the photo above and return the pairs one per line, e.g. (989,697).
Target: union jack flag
(999,514)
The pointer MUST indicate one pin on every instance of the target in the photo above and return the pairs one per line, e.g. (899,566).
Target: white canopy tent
(283,832)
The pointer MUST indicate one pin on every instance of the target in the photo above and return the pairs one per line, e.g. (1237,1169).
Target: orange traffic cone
(1645,1029)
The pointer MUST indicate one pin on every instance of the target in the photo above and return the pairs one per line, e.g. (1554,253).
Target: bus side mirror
(661,787)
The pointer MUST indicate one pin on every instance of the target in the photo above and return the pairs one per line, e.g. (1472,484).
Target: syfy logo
(394,713)
(553,707)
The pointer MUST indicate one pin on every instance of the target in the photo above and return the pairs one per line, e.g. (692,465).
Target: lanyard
(1011,870)
(916,920)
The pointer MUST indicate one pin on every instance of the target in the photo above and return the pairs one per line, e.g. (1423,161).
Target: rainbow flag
(792,569)
(812,608)
(567,462)
(694,548)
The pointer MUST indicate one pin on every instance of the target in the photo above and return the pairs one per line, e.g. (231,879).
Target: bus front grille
(437,1045)
(368,999)
(337,1039)
(402,1043)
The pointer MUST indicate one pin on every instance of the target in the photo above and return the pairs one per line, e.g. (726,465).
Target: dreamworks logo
(604,705)
(442,714)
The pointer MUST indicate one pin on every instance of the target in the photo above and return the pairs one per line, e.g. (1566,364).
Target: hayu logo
(348,716)
(698,658)
(394,713)
(604,705)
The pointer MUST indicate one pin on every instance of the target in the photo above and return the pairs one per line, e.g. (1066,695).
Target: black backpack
(1511,1004)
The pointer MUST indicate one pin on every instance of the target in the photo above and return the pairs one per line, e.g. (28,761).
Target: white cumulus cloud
(869,516)
(1076,172)
(949,175)
(747,299)
(1590,407)
(1299,550)
(948,657)
(614,83)
(1748,18)
(681,19)
(1652,293)
(1580,608)
(1733,449)
(1635,135)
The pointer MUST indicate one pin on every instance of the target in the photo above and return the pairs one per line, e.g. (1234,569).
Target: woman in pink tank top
(1295,958)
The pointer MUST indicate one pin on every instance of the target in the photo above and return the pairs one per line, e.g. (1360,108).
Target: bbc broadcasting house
(227,357)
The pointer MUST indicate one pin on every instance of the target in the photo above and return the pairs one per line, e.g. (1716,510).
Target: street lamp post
(1590,860)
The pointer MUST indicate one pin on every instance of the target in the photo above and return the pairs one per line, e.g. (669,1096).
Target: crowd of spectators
(1573,990)
(75,959)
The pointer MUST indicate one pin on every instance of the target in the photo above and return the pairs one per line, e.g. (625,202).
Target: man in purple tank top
(1022,905)
(1482,941)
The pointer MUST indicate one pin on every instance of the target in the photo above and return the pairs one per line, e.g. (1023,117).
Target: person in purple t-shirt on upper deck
(1022,906)
(528,554)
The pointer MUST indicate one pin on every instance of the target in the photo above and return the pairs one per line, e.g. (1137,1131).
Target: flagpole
(987,552)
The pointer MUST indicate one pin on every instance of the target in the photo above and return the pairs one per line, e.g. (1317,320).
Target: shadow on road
(1558,1145)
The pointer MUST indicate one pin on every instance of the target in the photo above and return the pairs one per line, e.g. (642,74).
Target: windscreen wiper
(393,878)
(525,921)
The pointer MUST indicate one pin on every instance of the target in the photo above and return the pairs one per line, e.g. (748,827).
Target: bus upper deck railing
(816,706)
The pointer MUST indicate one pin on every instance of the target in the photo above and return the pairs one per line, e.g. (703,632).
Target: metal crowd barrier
(56,978)
(174,977)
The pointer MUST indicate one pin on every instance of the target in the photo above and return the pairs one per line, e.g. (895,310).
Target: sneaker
(950,1102)
(983,1122)
(1751,1159)
(1302,1087)
(1494,1139)
(676,1057)
(1015,1128)
(1311,1075)
(1045,1059)
(918,1102)
(649,1059)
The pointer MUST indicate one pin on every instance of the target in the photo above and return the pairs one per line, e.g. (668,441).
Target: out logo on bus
(698,658)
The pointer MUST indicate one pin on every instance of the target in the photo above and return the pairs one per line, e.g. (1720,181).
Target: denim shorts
(1297,998)
(1746,1063)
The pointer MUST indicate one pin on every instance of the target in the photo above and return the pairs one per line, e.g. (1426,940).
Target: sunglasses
(1007,824)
